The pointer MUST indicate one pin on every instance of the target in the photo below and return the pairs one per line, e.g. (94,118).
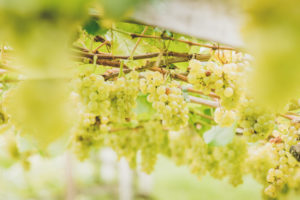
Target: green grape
(224,117)
(285,164)
(223,80)
(94,93)
(256,122)
(124,92)
(155,142)
(104,103)
(259,161)
(167,99)
(204,77)
(150,140)
(228,161)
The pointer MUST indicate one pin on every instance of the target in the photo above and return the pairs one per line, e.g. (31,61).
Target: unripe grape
(228,92)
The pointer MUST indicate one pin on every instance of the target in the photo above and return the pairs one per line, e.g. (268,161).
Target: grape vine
(143,93)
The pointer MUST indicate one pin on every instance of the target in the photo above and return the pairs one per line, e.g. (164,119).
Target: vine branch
(214,47)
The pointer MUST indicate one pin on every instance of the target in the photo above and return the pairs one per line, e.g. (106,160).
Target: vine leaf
(144,109)
(219,136)
(93,27)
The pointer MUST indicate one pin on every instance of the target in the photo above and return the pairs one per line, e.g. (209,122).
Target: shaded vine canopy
(75,80)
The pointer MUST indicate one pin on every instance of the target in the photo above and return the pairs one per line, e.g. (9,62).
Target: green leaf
(93,27)
(116,9)
(219,136)
(144,109)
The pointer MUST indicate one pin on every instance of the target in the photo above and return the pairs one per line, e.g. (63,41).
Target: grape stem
(205,102)
(213,95)
(291,117)
(203,115)
(101,45)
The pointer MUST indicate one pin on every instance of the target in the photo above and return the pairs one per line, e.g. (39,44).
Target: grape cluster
(155,142)
(102,103)
(228,161)
(259,161)
(224,117)
(150,140)
(205,76)
(87,134)
(94,111)
(223,80)
(94,93)
(285,164)
(167,99)
(256,121)
(279,175)
(124,92)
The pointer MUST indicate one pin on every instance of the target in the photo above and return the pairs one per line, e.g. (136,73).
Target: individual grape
(228,92)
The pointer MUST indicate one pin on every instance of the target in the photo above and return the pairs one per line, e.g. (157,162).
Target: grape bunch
(257,122)
(225,161)
(155,141)
(279,175)
(205,76)
(94,93)
(102,104)
(180,144)
(285,164)
(223,80)
(150,140)
(89,133)
(167,99)
(123,94)
(224,117)
(228,161)
(259,161)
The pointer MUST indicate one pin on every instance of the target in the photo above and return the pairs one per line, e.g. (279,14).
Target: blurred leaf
(117,8)
(144,109)
(93,27)
(219,136)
